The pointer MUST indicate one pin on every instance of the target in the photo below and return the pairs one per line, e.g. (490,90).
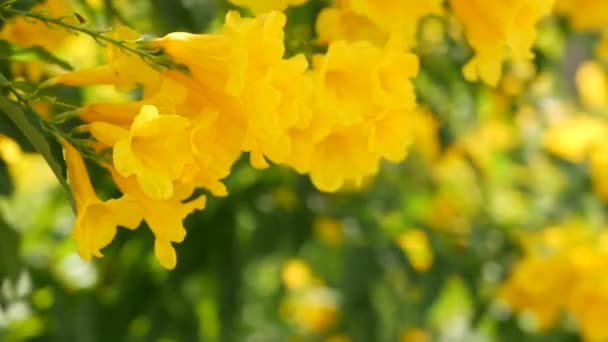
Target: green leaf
(10,241)
(34,133)
(6,183)
(8,128)
(13,52)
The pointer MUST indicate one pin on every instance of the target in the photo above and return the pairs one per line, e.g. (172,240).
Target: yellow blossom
(30,32)
(156,149)
(328,230)
(163,216)
(592,84)
(585,15)
(498,31)
(96,220)
(399,19)
(240,73)
(296,274)
(265,6)
(123,70)
(335,24)
(415,245)
(362,101)
(573,138)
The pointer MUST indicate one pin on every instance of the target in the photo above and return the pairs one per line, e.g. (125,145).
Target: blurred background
(492,229)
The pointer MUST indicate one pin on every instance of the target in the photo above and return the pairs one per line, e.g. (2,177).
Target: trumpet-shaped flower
(96,220)
(399,19)
(123,70)
(265,6)
(361,108)
(163,216)
(498,31)
(155,149)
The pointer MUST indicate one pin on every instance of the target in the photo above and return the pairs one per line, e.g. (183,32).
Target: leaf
(34,133)
(13,52)
(10,241)
(8,128)
(6,182)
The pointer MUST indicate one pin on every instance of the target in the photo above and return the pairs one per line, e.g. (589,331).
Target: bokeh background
(492,229)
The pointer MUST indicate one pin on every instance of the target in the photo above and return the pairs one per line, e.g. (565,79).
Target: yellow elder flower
(268,129)
(164,217)
(497,31)
(30,32)
(361,110)
(585,15)
(242,74)
(155,149)
(415,245)
(265,6)
(354,80)
(572,139)
(122,70)
(592,84)
(335,24)
(96,220)
(220,61)
(523,291)
(399,19)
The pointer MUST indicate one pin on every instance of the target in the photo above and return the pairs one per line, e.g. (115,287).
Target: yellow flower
(296,274)
(328,230)
(30,32)
(415,245)
(335,24)
(314,309)
(399,19)
(362,102)
(220,61)
(523,291)
(497,31)
(155,149)
(164,217)
(585,15)
(96,220)
(573,138)
(598,168)
(123,70)
(265,6)
(592,84)
(268,127)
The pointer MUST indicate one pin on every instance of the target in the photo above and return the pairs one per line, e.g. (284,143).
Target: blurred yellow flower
(265,6)
(30,32)
(328,230)
(415,245)
(415,335)
(315,309)
(592,84)
(573,138)
(584,15)
(570,260)
(296,274)
(380,22)
(498,31)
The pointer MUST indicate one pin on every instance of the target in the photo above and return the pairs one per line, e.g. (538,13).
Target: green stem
(154,57)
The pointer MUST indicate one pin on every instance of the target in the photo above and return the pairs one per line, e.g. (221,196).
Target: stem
(154,57)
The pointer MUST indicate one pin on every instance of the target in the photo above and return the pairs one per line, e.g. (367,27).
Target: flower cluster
(498,31)
(334,121)
(570,260)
